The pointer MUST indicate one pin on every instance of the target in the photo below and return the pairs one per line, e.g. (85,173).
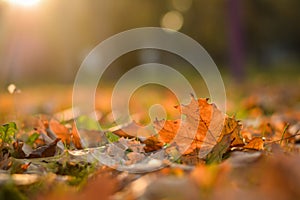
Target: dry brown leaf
(152,144)
(75,137)
(233,127)
(60,131)
(45,151)
(25,166)
(256,143)
(132,130)
(5,161)
(18,152)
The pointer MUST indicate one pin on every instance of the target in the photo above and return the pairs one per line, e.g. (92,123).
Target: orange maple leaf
(202,128)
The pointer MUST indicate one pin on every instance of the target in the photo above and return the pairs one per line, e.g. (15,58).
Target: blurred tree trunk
(235,34)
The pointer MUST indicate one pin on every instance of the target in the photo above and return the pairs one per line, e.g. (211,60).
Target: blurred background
(45,41)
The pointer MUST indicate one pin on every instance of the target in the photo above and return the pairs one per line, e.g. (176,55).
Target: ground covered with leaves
(250,152)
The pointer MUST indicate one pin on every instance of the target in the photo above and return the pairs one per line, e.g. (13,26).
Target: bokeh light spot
(172,20)
(182,5)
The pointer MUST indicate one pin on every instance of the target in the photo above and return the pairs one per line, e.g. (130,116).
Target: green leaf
(112,137)
(8,132)
(87,123)
(32,138)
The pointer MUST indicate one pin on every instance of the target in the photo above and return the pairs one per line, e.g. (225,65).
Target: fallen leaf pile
(203,127)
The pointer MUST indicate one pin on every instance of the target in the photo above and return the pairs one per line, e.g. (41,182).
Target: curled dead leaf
(59,131)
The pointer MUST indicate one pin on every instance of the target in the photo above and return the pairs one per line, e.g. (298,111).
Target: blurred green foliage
(7,132)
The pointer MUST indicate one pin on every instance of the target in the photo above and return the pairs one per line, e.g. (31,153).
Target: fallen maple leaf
(201,129)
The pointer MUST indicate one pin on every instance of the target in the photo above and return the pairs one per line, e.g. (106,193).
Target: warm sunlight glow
(24,2)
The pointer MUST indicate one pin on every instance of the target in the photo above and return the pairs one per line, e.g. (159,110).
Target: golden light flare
(25,3)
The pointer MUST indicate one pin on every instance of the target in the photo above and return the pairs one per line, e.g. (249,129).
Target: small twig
(284,138)
(284,131)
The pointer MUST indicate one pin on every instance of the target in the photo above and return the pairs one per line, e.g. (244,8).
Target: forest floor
(253,154)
